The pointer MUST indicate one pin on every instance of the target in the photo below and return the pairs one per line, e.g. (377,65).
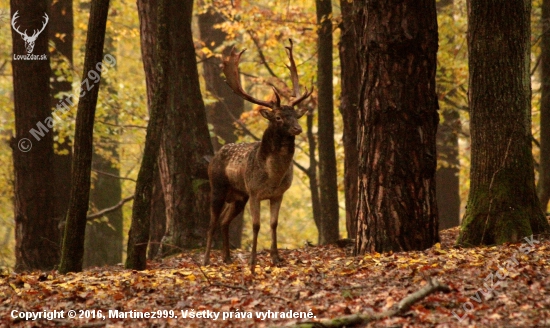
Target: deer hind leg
(275,205)
(216,205)
(255,213)
(229,213)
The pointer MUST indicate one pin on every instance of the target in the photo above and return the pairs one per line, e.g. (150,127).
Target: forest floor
(500,286)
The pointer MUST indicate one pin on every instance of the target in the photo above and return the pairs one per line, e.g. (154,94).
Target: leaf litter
(324,281)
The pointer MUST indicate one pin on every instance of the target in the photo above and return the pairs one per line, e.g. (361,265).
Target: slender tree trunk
(103,241)
(447,179)
(229,107)
(448,168)
(148,28)
(36,231)
(349,110)
(158,217)
(141,213)
(61,32)
(544,172)
(75,226)
(186,140)
(327,157)
(312,174)
(502,204)
(397,124)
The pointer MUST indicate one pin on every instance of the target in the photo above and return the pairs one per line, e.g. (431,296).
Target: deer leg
(229,213)
(275,205)
(216,206)
(255,213)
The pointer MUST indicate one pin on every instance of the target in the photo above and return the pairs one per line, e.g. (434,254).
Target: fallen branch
(109,209)
(355,319)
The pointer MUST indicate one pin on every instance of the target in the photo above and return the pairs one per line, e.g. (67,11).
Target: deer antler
(294,78)
(231,72)
(43,26)
(35,32)
(15,28)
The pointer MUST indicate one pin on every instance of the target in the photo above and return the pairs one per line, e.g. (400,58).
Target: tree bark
(36,232)
(138,237)
(75,226)
(327,157)
(186,140)
(502,204)
(61,32)
(147,11)
(348,108)
(229,107)
(544,171)
(397,124)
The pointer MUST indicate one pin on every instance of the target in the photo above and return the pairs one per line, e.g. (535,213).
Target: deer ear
(267,113)
(301,111)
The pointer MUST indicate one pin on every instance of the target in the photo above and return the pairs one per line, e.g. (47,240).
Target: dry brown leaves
(324,281)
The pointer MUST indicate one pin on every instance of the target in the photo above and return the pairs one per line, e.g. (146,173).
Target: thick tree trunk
(397,124)
(186,140)
(75,225)
(327,157)
(502,204)
(349,110)
(61,32)
(36,231)
(229,107)
(138,237)
(544,172)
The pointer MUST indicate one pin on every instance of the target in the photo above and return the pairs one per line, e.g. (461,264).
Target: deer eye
(278,118)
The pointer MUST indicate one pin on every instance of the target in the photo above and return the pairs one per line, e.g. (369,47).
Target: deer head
(29,40)
(283,117)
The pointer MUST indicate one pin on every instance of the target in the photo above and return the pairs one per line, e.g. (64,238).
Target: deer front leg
(255,213)
(275,205)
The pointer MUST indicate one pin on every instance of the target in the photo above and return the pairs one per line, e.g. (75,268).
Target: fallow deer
(255,171)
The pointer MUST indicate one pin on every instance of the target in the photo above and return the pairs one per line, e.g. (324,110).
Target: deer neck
(277,144)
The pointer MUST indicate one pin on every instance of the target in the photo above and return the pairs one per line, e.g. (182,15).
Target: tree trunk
(186,140)
(36,231)
(103,241)
(61,32)
(229,107)
(348,108)
(447,179)
(141,212)
(502,204)
(75,226)
(448,167)
(327,158)
(148,28)
(544,172)
(397,124)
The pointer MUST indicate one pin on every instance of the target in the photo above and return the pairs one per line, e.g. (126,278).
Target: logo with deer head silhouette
(29,39)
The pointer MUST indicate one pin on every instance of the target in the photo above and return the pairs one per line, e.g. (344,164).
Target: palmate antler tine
(231,72)
(294,77)
(293,71)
